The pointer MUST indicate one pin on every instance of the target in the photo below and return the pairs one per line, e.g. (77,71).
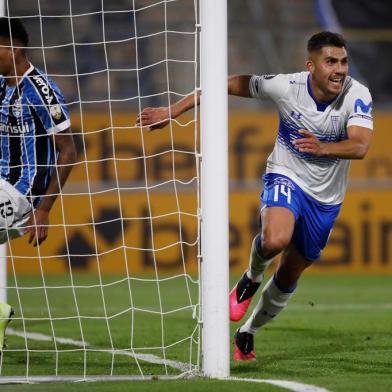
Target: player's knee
(274,243)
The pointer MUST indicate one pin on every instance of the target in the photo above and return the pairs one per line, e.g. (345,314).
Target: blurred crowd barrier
(96,226)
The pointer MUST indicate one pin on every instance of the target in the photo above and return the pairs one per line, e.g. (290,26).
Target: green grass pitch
(336,333)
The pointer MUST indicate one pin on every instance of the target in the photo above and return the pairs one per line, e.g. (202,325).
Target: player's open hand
(153,118)
(38,226)
(308,144)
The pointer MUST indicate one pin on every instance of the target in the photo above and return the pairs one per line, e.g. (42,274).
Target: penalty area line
(290,385)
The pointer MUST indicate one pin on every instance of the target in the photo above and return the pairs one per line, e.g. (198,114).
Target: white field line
(290,385)
(45,338)
(79,343)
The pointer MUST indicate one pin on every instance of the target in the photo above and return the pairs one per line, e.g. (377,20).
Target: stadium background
(264,37)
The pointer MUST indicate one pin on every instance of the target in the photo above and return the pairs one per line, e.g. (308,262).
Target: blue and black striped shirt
(29,113)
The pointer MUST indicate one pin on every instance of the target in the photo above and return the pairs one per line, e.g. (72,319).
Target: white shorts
(15,212)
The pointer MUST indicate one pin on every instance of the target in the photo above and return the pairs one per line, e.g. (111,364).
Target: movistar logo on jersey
(45,90)
(362,105)
(15,129)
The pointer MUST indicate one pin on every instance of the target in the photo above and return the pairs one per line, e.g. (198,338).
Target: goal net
(114,290)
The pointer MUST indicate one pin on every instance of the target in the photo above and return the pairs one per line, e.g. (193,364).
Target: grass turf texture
(336,333)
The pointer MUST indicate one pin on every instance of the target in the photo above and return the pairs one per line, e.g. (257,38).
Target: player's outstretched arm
(39,220)
(354,147)
(157,118)
(239,85)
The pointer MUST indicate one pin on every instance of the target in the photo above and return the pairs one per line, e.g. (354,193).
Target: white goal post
(214,180)
(209,330)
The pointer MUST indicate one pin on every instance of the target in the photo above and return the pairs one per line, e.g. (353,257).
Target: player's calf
(241,295)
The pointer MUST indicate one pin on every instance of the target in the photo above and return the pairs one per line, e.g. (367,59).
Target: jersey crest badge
(17,108)
(335,124)
(55,111)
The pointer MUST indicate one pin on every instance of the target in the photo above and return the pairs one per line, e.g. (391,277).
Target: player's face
(7,62)
(329,68)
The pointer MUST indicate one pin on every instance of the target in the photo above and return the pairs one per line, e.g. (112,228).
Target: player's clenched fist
(153,118)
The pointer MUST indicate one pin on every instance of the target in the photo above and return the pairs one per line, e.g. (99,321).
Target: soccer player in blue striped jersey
(325,121)
(36,144)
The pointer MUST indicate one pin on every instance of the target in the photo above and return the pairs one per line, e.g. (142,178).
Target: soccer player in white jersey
(325,121)
(36,144)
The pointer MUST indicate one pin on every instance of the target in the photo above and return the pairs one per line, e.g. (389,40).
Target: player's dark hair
(13,28)
(325,38)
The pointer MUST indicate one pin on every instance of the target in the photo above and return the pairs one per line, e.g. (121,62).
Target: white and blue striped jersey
(323,178)
(29,113)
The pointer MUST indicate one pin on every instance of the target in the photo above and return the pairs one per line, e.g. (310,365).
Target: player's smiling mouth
(336,81)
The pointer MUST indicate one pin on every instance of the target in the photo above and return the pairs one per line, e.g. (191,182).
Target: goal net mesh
(114,290)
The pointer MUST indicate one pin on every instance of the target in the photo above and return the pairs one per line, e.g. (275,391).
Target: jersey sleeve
(49,104)
(360,107)
(269,86)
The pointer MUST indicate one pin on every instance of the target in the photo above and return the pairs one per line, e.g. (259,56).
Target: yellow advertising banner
(100,233)
(111,148)
(153,221)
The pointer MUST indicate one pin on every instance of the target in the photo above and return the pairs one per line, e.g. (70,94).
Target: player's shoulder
(297,78)
(356,94)
(39,80)
(356,87)
(40,86)
(289,79)
(296,81)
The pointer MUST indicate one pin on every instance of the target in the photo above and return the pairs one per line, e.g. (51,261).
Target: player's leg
(14,212)
(276,233)
(310,236)
(274,298)
(278,217)
(278,290)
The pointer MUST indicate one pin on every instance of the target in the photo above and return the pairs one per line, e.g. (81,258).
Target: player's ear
(309,65)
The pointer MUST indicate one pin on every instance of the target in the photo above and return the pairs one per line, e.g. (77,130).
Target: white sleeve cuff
(360,122)
(59,127)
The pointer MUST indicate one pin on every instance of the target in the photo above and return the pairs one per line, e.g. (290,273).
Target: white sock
(271,303)
(257,263)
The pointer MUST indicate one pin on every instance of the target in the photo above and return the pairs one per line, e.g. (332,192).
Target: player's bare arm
(39,220)
(239,85)
(354,147)
(157,118)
